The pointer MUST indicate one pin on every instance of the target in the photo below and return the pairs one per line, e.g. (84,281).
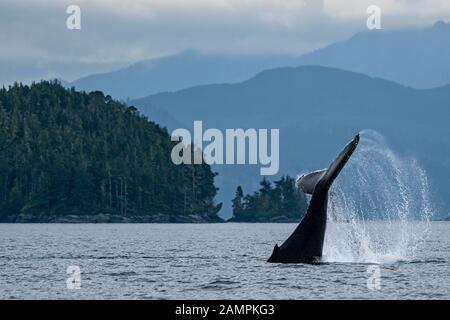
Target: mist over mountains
(419,57)
(413,57)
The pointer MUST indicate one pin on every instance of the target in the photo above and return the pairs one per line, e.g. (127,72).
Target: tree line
(277,201)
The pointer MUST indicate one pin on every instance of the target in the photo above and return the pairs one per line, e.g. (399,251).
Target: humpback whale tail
(308,182)
(306,242)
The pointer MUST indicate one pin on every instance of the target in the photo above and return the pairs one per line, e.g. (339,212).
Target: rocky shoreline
(105,218)
(159,218)
(277,219)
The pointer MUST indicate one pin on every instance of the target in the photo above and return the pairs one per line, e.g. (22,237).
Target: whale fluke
(306,242)
(307,182)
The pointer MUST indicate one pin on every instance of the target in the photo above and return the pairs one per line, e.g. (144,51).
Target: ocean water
(220,261)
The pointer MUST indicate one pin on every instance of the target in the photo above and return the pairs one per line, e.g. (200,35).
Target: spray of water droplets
(379,207)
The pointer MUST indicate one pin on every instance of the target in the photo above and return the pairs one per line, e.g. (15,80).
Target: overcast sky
(35,42)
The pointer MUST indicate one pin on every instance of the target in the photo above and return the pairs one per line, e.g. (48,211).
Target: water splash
(379,208)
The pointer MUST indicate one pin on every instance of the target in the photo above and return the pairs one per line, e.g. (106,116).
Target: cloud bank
(37,44)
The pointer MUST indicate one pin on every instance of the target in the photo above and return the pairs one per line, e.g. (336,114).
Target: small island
(277,202)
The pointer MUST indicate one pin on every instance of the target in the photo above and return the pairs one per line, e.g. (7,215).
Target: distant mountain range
(415,57)
(179,71)
(316,110)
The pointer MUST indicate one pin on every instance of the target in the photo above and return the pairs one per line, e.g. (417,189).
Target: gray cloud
(36,43)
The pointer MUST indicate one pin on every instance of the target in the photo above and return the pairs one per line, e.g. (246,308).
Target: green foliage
(281,201)
(64,152)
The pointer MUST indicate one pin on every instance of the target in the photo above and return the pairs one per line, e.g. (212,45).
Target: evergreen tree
(237,201)
(281,201)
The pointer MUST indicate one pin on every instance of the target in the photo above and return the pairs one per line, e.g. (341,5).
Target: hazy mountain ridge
(414,57)
(316,109)
(179,71)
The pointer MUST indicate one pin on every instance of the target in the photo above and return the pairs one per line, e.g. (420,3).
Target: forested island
(277,202)
(68,156)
